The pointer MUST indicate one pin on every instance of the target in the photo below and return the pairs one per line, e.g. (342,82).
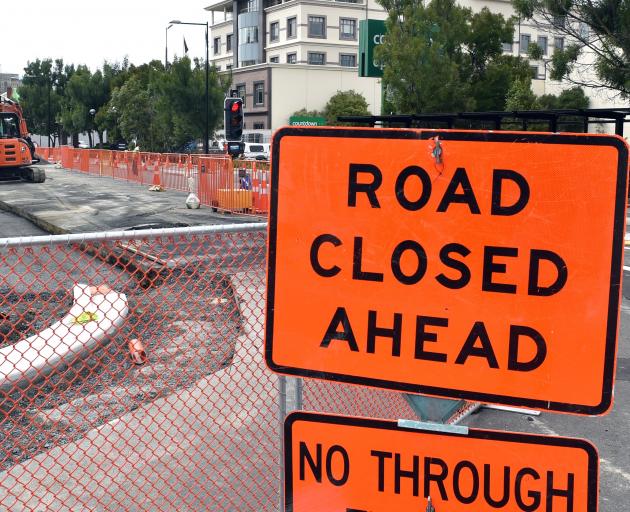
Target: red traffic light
(236,106)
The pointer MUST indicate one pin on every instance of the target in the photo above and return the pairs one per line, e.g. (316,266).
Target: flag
(185,47)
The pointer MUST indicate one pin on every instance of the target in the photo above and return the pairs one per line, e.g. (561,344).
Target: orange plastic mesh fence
(52,155)
(241,186)
(132,374)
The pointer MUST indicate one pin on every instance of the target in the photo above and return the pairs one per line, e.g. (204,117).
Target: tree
(307,113)
(180,101)
(85,92)
(345,103)
(131,111)
(41,94)
(440,57)
(520,96)
(599,27)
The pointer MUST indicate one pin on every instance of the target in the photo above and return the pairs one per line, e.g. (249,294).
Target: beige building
(286,55)
(543,34)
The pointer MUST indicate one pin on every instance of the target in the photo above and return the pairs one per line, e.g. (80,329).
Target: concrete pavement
(73,202)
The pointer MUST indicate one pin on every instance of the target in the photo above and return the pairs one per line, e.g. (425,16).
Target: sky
(82,32)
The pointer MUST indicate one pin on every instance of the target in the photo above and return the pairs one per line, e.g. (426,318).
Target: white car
(256,151)
(84,145)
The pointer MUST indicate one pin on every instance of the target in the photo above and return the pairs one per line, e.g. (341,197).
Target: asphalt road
(608,433)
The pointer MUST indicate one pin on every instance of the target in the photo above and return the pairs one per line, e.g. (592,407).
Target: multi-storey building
(9,80)
(286,56)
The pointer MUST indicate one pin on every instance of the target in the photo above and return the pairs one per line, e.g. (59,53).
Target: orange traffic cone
(156,184)
(136,351)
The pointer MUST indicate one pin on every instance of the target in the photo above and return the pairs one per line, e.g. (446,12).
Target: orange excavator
(17,151)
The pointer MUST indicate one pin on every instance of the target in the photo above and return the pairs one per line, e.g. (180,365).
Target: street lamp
(206,134)
(166,49)
(92,113)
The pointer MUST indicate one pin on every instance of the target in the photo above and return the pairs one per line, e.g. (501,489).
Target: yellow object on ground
(86,317)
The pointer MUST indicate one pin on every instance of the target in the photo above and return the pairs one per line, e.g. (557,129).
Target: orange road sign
(473,265)
(342,464)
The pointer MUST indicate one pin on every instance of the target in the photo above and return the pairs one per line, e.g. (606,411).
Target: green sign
(307,121)
(371,34)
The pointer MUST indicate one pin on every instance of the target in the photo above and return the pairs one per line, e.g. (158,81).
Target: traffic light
(233,119)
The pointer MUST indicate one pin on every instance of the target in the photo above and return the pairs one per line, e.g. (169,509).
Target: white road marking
(545,429)
(611,468)
(605,464)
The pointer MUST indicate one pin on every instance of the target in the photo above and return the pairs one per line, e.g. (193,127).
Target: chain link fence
(132,374)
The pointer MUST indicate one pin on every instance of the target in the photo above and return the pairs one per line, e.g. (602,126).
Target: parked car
(256,151)
(192,146)
(84,145)
(118,146)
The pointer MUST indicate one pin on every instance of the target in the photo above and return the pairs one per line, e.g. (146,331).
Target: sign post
(342,464)
(488,270)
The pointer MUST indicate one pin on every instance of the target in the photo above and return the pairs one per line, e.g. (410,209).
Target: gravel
(187,319)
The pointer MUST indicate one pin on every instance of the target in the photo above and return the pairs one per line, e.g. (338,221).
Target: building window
(291,27)
(217,45)
(259,126)
(291,58)
(542,42)
(317,26)
(525,40)
(228,43)
(559,21)
(317,58)
(240,92)
(347,29)
(534,70)
(275,59)
(558,43)
(248,35)
(228,67)
(348,60)
(259,93)
(249,6)
(507,47)
(274,32)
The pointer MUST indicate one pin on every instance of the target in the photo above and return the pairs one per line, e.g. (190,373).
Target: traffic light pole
(207,135)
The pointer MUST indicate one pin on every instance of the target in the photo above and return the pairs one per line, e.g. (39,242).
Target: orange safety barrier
(52,155)
(176,408)
(237,186)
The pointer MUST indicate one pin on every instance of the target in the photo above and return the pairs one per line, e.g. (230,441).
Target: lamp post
(92,113)
(48,110)
(206,134)
(166,47)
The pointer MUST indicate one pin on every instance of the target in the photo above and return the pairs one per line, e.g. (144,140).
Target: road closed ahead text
(476,277)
